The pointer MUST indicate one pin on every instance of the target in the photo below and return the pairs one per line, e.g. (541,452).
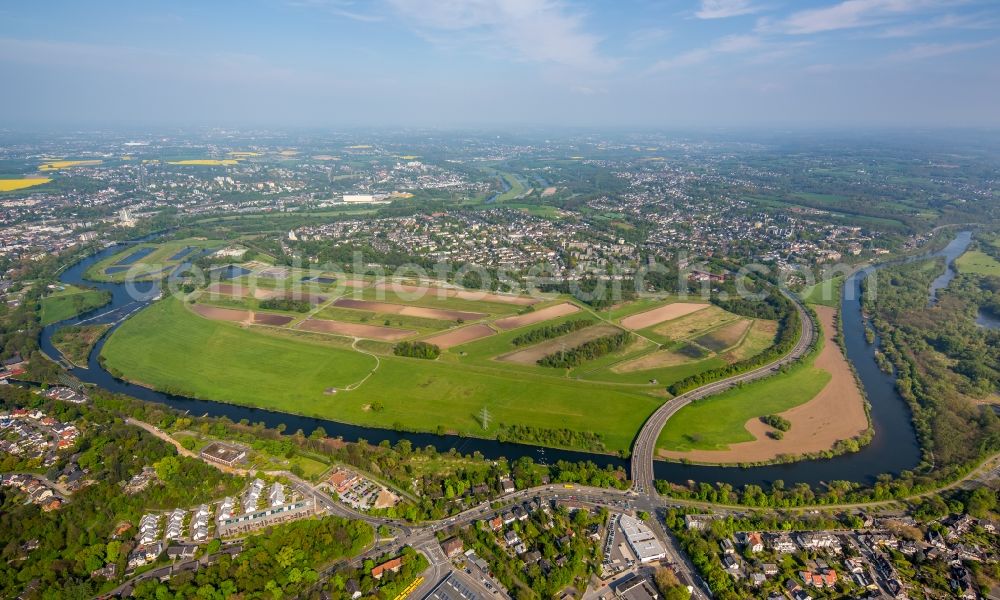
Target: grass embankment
(718,421)
(76,341)
(824,293)
(69,302)
(168,347)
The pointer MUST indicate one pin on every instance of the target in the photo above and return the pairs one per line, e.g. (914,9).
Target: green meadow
(69,302)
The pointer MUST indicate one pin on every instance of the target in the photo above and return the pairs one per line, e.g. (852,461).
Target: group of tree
(286,304)
(777,421)
(417,350)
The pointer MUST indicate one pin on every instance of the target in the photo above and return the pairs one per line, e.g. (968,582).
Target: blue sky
(460,63)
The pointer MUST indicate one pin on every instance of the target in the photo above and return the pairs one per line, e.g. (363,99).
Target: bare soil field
(530,355)
(241,316)
(262,294)
(271,319)
(409,311)
(836,413)
(228,289)
(542,314)
(372,332)
(463,335)
(724,337)
(661,314)
(223,314)
(433,290)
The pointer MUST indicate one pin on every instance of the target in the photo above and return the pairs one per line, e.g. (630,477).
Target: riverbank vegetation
(76,341)
(943,360)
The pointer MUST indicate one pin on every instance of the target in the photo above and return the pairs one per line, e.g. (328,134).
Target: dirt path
(836,413)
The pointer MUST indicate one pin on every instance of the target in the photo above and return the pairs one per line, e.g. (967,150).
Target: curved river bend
(893,449)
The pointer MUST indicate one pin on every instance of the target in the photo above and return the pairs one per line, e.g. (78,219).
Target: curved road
(644,447)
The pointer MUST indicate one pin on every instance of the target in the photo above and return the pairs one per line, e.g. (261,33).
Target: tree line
(550,331)
(586,351)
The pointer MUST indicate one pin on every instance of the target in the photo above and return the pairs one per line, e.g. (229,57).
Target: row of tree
(590,350)
(550,331)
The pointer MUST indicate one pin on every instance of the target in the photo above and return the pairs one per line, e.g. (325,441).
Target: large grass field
(825,293)
(70,302)
(978,263)
(168,347)
(718,421)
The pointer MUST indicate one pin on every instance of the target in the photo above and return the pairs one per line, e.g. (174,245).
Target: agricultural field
(12,185)
(149,261)
(69,302)
(284,339)
(58,165)
(977,262)
(205,162)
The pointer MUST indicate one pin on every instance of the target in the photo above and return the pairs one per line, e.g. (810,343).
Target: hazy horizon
(480,64)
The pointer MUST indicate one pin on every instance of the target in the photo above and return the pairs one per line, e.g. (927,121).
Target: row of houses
(37,491)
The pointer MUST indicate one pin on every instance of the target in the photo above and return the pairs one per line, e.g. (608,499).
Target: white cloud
(727,45)
(339,8)
(722,9)
(949,21)
(850,14)
(925,51)
(542,31)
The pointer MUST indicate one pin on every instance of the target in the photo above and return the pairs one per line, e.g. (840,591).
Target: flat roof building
(641,539)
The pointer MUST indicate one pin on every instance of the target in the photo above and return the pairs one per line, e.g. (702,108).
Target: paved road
(644,448)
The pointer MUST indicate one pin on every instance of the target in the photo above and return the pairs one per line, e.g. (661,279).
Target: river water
(893,449)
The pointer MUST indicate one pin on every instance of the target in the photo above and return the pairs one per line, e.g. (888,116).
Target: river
(893,449)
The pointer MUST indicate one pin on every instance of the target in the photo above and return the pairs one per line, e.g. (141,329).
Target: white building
(641,539)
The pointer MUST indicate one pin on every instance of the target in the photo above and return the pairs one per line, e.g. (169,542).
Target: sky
(759,64)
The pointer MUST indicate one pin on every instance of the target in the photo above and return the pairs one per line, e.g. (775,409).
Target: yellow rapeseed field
(207,162)
(244,154)
(55,165)
(9,185)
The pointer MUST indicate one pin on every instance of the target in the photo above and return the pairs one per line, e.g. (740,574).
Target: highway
(644,448)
